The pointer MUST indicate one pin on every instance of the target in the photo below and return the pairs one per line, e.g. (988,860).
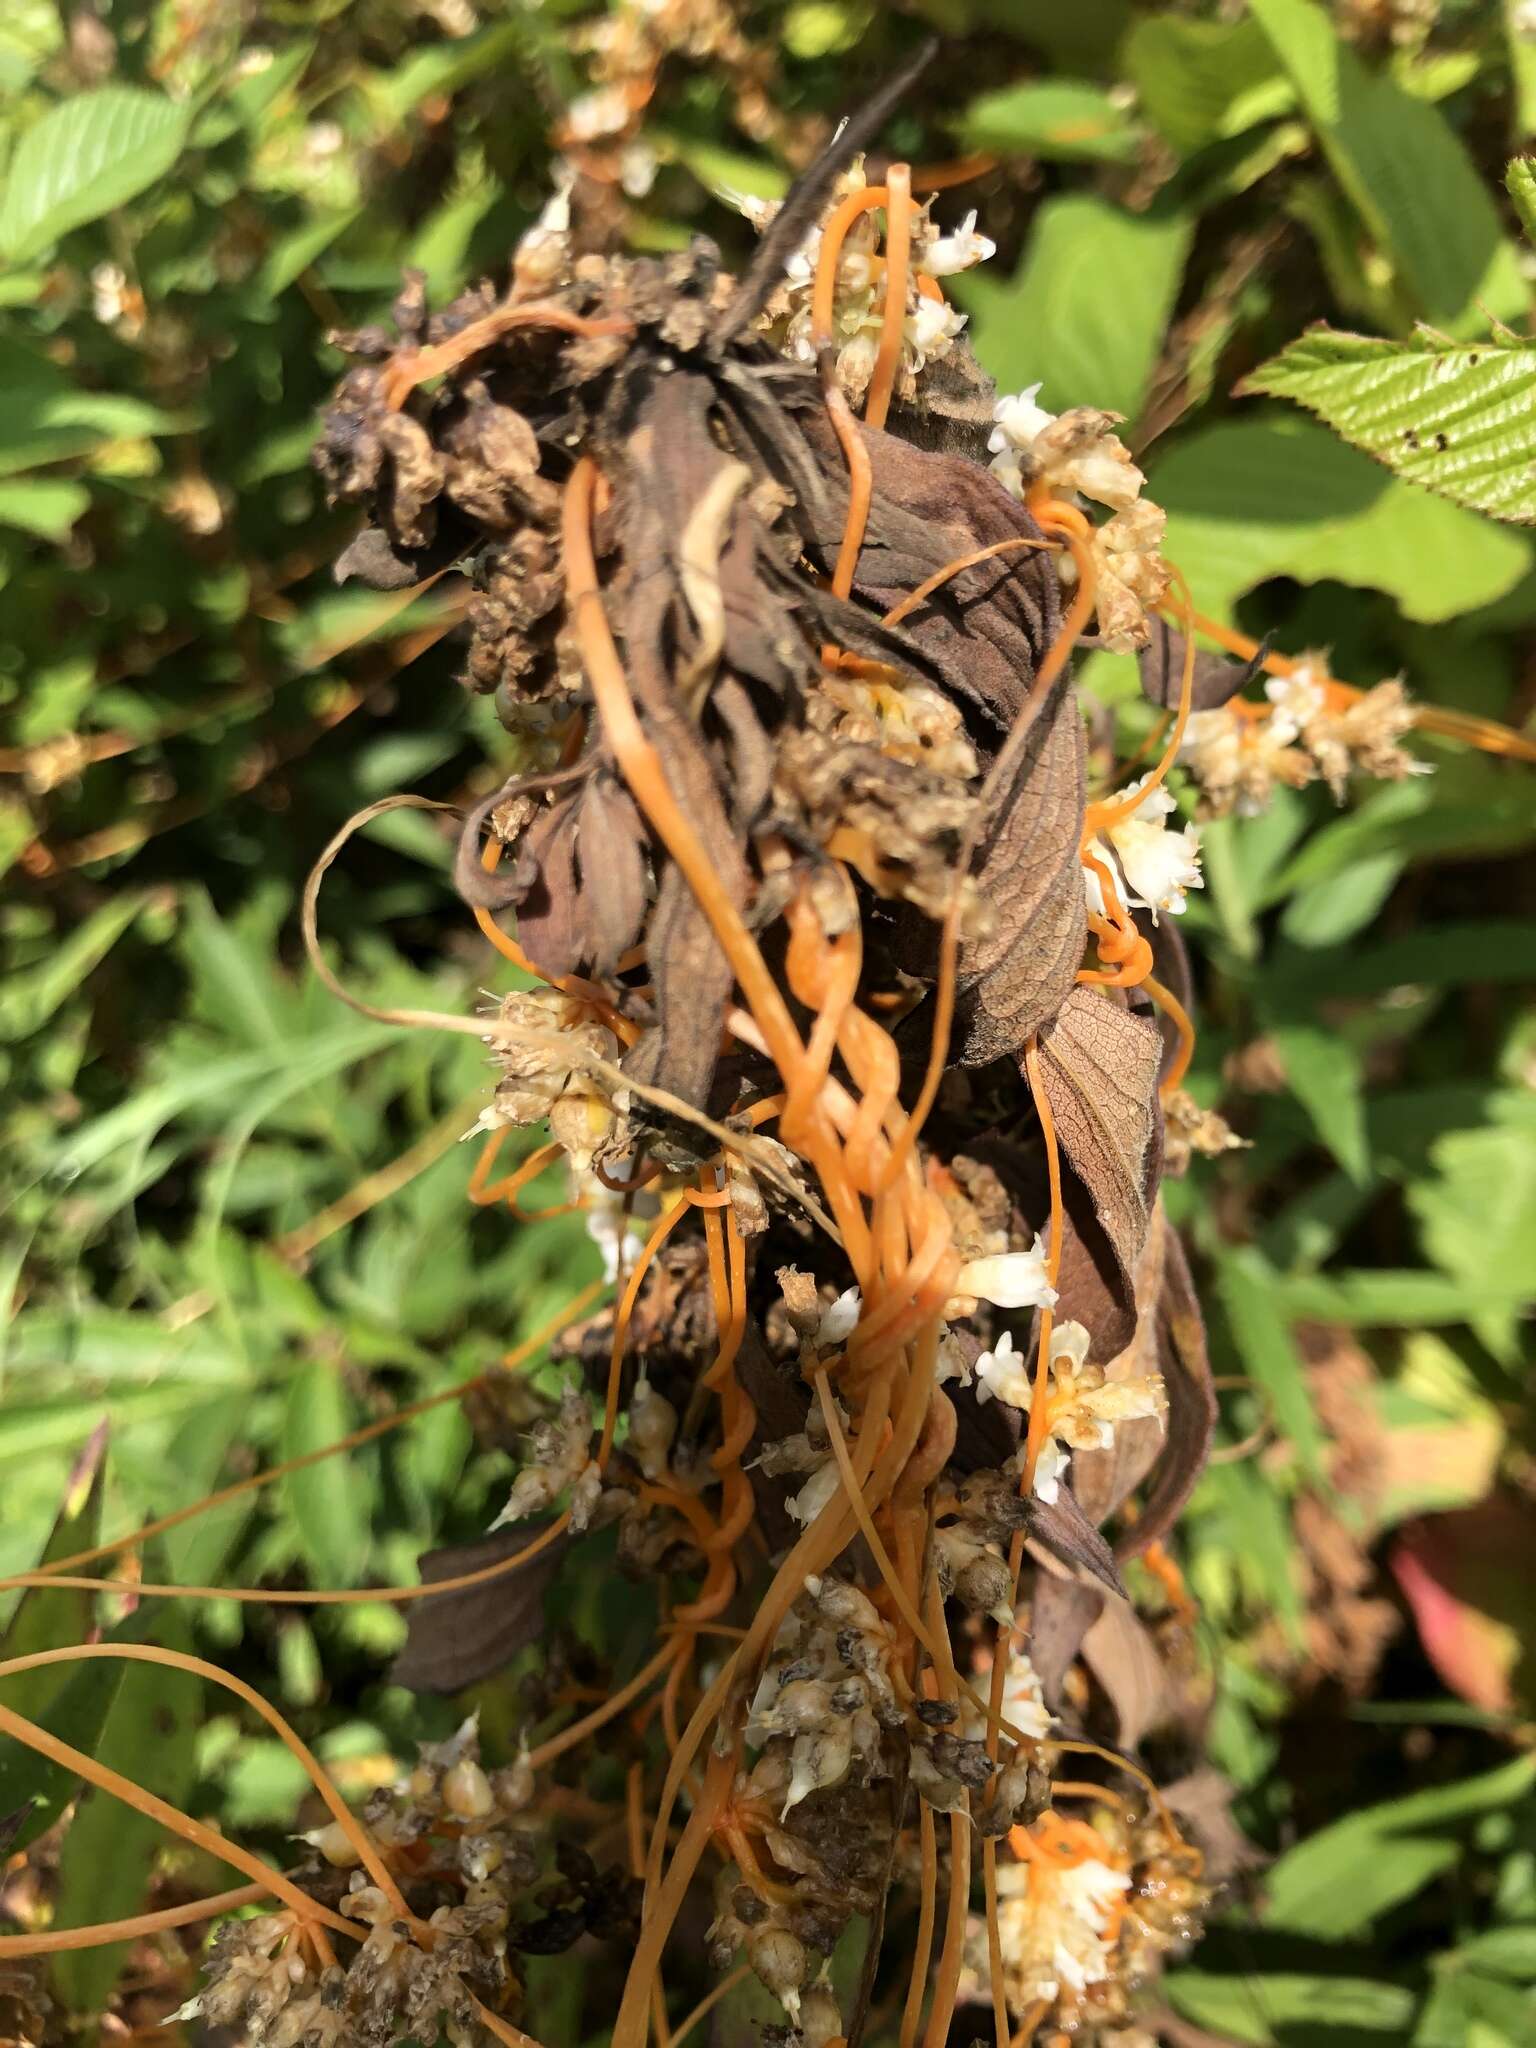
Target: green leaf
(1457,418)
(110,1849)
(1501,1952)
(1404,170)
(326,1500)
(1250,1295)
(1339,1880)
(1110,279)
(28,999)
(1265,2009)
(1252,499)
(50,1619)
(1327,1078)
(76,1715)
(46,506)
(85,157)
(1329,912)
(1204,81)
(1520,183)
(292,254)
(1478,1212)
(1059,118)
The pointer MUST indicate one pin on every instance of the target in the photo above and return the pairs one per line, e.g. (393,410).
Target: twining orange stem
(642,769)
(59,1939)
(898,251)
(1039,1407)
(412,366)
(1179,1017)
(170,1817)
(917,1982)
(665,1224)
(833,236)
(614,1705)
(959,171)
(1100,816)
(295,1596)
(198,1667)
(994,1943)
(50,1573)
(909,604)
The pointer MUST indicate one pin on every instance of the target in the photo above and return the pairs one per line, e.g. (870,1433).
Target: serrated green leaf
(1060,118)
(1404,169)
(1110,279)
(1252,499)
(85,157)
(1457,418)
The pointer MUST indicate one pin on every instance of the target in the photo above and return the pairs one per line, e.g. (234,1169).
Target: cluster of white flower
(1082,1406)
(1159,863)
(1314,730)
(1059,1920)
(1076,455)
(858,307)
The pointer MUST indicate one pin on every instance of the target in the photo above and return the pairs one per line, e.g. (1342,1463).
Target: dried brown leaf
(1215,682)
(456,1639)
(1100,1064)
(1191,1418)
(1120,1652)
(1017,979)
(1062,1528)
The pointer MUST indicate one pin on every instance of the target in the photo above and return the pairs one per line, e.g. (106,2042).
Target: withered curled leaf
(456,1639)
(1216,680)
(1100,1066)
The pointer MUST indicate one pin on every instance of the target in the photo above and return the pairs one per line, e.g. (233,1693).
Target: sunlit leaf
(1457,417)
(83,158)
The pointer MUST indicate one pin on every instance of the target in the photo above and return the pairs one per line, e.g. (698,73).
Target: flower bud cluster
(541,1081)
(1311,731)
(824,1698)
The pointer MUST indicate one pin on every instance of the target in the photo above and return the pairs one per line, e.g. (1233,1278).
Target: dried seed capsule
(985,1586)
(819,1759)
(336,1846)
(780,1961)
(514,1785)
(652,1426)
(467,1791)
(820,2020)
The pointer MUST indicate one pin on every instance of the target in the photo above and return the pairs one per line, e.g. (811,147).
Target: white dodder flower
(961,249)
(1009,1279)
(1082,1407)
(1159,863)
(1060,1921)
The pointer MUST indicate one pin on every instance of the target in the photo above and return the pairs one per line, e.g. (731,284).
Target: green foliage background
(195,194)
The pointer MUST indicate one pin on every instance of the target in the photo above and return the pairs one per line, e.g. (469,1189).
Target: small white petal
(1009,1279)
(839,1321)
